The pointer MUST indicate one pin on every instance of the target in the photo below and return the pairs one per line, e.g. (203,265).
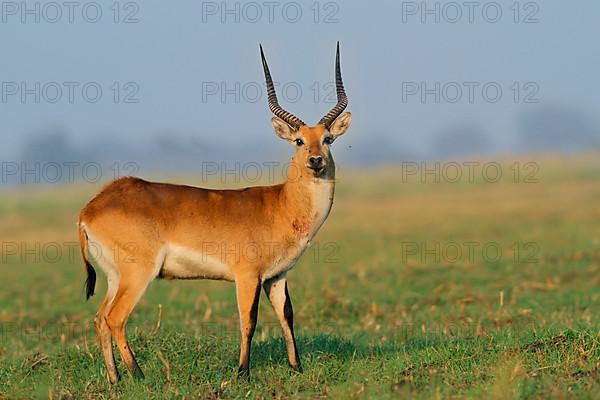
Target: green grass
(373,320)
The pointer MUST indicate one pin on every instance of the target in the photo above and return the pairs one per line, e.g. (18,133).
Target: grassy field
(414,288)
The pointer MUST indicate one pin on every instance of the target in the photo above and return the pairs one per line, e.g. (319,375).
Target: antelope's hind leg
(277,292)
(105,338)
(107,265)
(133,283)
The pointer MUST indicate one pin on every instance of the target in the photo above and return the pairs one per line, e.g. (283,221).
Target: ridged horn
(274,106)
(342,99)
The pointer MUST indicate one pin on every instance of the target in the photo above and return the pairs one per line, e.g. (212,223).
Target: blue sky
(176,52)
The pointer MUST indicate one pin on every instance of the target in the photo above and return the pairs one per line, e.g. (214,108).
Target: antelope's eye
(328,140)
(299,142)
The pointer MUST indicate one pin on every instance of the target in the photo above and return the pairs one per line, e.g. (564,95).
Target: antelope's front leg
(277,292)
(248,293)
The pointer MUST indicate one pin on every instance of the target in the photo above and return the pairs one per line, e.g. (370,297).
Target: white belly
(184,263)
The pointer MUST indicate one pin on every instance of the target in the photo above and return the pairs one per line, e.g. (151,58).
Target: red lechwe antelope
(184,232)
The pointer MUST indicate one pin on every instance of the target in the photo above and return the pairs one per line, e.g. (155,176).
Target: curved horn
(274,106)
(342,99)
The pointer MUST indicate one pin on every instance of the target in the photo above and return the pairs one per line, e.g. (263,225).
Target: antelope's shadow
(273,351)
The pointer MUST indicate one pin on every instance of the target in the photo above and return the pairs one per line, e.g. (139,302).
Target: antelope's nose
(315,161)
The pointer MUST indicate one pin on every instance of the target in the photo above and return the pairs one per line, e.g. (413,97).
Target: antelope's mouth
(318,170)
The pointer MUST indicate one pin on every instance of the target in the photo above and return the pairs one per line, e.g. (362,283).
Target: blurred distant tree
(50,146)
(461,140)
(557,129)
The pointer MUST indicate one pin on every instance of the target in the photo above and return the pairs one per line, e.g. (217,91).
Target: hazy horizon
(417,87)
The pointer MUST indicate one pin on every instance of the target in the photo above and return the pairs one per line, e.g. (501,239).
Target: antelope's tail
(90,282)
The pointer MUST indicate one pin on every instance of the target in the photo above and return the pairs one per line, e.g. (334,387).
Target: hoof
(244,373)
(113,379)
(137,374)
(297,368)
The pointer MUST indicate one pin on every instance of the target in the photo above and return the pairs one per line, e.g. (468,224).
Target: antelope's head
(312,143)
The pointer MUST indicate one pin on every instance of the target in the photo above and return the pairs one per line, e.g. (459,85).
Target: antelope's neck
(308,202)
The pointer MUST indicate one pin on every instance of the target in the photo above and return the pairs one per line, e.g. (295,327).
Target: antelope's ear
(341,125)
(282,129)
